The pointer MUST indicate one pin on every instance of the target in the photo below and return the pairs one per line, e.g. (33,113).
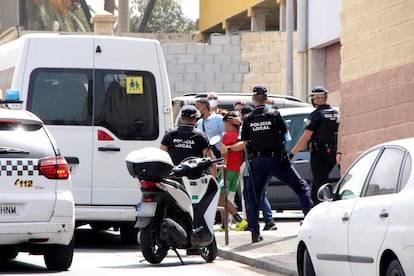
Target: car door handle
(345,217)
(300,161)
(109,149)
(383,214)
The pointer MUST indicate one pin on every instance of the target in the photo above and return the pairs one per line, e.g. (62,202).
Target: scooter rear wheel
(209,253)
(153,250)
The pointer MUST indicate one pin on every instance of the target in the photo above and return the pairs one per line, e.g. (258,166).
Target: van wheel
(129,234)
(59,257)
(8,254)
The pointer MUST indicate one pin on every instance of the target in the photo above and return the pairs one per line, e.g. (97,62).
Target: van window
(125,102)
(60,96)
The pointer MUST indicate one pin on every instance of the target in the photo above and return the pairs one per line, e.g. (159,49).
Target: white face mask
(213,103)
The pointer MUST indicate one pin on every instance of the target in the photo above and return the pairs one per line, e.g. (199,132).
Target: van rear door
(128,114)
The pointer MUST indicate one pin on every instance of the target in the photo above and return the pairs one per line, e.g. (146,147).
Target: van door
(59,97)
(57,91)
(127,111)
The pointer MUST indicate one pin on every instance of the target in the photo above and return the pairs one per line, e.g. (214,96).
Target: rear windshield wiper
(12,150)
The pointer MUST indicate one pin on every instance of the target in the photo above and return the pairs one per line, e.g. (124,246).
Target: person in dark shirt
(185,141)
(321,134)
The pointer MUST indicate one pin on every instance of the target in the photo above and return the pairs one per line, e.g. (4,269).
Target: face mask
(213,103)
(268,106)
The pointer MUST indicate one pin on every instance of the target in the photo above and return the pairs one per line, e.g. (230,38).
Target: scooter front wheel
(153,250)
(209,253)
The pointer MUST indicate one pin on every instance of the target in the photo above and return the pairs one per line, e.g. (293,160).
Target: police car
(36,201)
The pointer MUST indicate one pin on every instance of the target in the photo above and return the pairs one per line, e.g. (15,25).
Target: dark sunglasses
(212,98)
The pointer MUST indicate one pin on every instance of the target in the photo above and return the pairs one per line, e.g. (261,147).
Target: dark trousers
(262,168)
(322,164)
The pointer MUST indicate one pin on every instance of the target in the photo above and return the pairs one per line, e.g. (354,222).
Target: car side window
(296,125)
(406,171)
(352,183)
(385,175)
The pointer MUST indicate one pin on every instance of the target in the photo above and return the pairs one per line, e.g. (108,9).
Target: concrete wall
(202,67)
(377,74)
(229,63)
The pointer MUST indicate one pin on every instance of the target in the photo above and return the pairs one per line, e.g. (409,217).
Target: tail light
(54,167)
(148,185)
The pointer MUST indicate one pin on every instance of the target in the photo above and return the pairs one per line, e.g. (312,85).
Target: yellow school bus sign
(134,85)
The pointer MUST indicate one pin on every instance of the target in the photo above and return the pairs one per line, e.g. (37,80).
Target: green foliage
(42,15)
(166,17)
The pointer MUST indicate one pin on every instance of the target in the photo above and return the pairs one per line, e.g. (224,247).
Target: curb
(261,263)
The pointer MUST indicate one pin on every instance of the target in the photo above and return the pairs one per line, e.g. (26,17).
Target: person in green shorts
(233,160)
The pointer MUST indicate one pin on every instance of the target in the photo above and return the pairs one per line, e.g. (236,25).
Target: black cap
(259,89)
(189,111)
(318,90)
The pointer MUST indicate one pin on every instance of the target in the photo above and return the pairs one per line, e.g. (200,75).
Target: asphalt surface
(277,251)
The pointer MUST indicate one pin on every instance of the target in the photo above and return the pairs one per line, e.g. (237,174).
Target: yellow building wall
(265,52)
(377,74)
(213,12)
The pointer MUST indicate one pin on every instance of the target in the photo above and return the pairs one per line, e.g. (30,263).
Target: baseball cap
(189,111)
(259,89)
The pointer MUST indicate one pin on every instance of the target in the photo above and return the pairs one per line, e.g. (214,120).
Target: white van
(101,97)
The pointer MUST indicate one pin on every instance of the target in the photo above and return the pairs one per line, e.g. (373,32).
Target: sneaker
(221,229)
(240,226)
(270,226)
(256,238)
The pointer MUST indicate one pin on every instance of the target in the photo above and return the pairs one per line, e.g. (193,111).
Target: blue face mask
(268,106)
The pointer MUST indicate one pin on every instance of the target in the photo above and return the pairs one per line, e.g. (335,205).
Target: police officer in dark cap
(263,133)
(185,141)
(321,134)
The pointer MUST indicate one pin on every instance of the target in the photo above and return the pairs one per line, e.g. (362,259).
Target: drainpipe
(289,47)
(302,48)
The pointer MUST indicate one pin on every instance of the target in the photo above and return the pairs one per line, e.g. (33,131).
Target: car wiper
(12,150)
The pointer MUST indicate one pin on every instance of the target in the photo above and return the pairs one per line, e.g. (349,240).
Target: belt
(259,153)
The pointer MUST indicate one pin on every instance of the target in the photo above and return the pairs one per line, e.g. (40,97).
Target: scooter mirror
(215,140)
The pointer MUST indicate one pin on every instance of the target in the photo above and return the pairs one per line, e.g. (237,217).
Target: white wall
(324,25)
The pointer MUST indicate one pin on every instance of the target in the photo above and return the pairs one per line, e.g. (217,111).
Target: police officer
(185,141)
(321,133)
(263,133)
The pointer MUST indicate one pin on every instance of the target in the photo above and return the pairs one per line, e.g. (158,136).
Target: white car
(365,226)
(37,212)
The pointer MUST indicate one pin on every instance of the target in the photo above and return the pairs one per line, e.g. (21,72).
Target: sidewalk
(277,251)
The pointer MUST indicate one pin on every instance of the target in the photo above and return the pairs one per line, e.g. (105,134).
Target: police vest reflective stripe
(263,132)
(328,129)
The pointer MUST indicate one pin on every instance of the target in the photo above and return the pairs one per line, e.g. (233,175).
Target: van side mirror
(325,192)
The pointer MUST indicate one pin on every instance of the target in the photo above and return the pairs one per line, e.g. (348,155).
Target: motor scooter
(178,205)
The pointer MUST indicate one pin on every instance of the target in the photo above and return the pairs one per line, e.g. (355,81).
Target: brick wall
(265,53)
(377,73)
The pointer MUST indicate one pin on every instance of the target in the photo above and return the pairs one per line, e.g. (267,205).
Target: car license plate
(8,210)
(146,209)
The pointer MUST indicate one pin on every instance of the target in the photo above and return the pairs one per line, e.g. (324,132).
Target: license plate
(8,210)
(146,209)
